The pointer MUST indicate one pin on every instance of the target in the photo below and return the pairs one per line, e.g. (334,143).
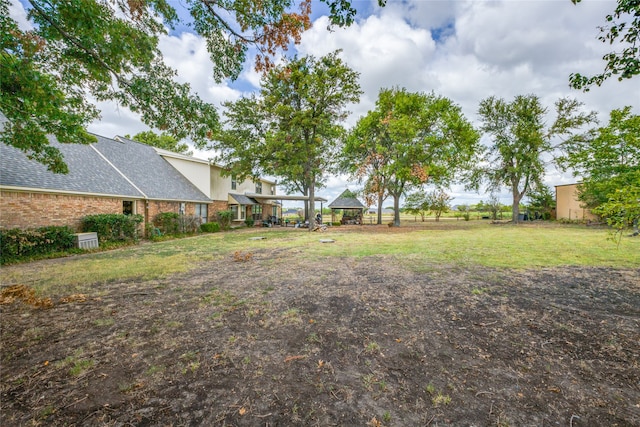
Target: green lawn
(430,245)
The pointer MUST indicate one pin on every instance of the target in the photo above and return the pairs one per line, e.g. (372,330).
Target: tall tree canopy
(412,138)
(293,128)
(82,51)
(362,159)
(622,30)
(164,141)
(520,140)
(608,159)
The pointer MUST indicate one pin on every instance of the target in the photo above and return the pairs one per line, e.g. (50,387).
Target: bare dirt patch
(274,340)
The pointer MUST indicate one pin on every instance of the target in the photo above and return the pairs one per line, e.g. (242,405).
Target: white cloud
(481,48)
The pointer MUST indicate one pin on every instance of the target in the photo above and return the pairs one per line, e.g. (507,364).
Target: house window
(275,211)
(183,208)
(234,182)
(234,212)
(202,211)
(127,207)
(259,187)
(273,189)
(256,212)
(243,211)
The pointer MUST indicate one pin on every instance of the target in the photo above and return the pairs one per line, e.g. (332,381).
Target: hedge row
(210,227)
(19,244)
(113,227)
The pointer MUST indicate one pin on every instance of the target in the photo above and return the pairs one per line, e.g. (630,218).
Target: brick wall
(215,207)
(30,210)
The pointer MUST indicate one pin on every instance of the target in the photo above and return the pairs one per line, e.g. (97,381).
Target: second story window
(234,183)
(259,187)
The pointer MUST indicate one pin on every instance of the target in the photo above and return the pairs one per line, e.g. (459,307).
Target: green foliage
(164,141)
(438,202)
(249,222)
(293,128)
(17,244)
(224,219)
(622,210)
(608,158)
(210,227)
(542,200)
(622,28)
(417,204)
(167,222)
(409,139)
(108,50)
(113,227)
(465,211)
(173,224)
(520,139)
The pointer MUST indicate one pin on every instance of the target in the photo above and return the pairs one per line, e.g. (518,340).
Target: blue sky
(466,50)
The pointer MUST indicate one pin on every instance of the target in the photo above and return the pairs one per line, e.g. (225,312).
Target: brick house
(109,176)
(246,199)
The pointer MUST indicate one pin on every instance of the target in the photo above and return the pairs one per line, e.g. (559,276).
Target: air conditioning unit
(86,240)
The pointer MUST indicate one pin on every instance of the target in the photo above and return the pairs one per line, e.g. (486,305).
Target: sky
(466,50)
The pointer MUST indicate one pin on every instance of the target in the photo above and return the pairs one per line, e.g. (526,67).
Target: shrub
(224,219)
(189,224)
(151,232)
(113,227)
(250,222)
(337,223)
(17,244)
(167,222)
(210,227)
(173,223)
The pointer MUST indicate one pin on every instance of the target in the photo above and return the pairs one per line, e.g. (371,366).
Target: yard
(430,324)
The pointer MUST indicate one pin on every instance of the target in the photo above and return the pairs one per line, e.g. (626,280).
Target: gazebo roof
(346,200)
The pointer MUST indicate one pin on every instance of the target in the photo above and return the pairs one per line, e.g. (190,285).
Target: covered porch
(264,209)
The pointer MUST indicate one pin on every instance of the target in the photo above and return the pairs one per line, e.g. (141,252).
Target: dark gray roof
(346,202)
(243,200)
(108,167)
(148,171)
(88,172)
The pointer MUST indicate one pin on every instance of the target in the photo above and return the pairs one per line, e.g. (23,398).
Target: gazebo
(350,206)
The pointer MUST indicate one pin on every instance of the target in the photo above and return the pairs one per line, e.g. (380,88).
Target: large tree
(362,159)
(608,159)
(520,141)
(82,51)
(293,128)
(414,138)
(622,30)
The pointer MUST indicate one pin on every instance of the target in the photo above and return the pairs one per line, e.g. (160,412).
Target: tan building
(568,206)
(246,199)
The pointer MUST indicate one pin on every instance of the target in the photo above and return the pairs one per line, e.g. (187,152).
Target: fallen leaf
(242,411)
(290,358)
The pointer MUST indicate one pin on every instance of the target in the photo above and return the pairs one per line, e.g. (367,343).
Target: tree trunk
(396,210)
(380,201)
(515,208)
(311,217)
